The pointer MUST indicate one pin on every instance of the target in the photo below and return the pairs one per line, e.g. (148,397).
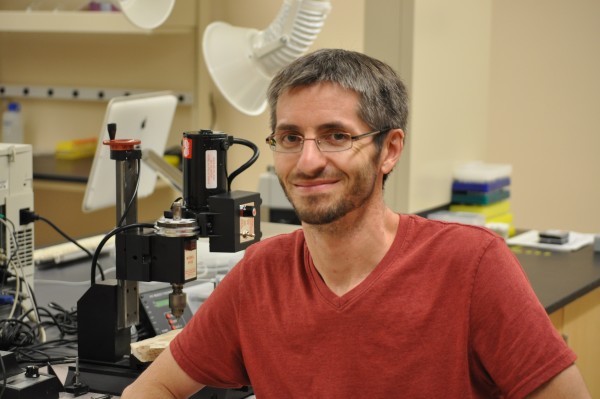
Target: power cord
(111,233)
(4,381)
(19,276)
(133,196)
(19,336)
(28,216)
(16,333)
(25,334)
(247,164)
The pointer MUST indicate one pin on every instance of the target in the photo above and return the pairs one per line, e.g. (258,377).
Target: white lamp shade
(242,61)
(236,72)
(147,14)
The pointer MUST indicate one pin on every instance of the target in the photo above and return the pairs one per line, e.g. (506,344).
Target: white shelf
(87,22)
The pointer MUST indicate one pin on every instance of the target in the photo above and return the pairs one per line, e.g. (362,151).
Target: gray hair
(383,102)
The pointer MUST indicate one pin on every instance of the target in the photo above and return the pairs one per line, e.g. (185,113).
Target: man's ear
(392,148)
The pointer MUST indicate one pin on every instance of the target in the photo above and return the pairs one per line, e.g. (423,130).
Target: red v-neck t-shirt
(448,312)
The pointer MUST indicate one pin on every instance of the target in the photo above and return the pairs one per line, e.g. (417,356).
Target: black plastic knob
(32,372)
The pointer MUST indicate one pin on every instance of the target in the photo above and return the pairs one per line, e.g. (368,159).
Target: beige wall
(441,51)
(544,109)
(449,88)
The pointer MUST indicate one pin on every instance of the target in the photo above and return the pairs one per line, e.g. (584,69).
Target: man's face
(325,186)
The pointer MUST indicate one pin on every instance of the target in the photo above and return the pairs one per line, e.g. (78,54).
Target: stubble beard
(323,209)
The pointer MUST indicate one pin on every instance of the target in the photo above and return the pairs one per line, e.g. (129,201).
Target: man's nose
(311,157)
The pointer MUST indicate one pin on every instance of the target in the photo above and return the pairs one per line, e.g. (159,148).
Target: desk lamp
(242,61)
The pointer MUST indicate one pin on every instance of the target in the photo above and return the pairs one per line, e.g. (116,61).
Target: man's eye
(290,138)
(336,137)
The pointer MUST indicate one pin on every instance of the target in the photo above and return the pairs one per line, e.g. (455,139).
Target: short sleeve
(511,334)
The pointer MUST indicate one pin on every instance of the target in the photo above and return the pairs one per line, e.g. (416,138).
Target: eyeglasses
(329,142)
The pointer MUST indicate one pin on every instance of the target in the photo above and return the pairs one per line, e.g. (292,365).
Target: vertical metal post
(127,174)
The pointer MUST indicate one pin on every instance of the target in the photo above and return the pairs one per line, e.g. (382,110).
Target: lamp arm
(290,34)
(170,173)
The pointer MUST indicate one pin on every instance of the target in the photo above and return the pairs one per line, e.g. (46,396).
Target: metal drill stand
(109,308)
(164,252)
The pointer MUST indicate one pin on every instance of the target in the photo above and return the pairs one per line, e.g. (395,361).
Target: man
(363,302)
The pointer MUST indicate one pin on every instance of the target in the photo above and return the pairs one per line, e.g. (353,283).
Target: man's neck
(346,252)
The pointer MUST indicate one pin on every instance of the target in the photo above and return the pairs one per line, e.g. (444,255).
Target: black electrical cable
(246,165)
(33,299)
(22,353)
(66,318)
(62,233)
(16,333)
(111,233)
(25,354)
(53,323)
(133,196)
(20,337)
(4,382)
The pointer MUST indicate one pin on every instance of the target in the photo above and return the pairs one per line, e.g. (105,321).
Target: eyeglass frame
(316,140)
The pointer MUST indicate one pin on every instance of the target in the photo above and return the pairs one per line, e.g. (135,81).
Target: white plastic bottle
(12,124)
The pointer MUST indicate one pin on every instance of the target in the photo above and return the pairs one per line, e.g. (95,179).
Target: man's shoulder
(426,229)
(424,223)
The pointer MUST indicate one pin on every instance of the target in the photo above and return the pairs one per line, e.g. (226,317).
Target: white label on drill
(190,264)
(211,169)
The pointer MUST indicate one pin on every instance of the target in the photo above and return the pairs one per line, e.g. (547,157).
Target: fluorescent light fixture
(242,61)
